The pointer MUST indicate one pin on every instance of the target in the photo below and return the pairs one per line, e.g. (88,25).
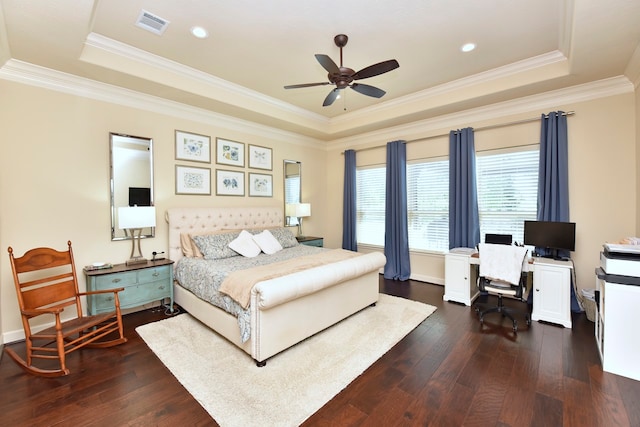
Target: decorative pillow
(284,236)
(186,244)
(216,246)
(267,242)
(245,245)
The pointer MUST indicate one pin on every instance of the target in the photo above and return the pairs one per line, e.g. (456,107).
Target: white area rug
(295,383)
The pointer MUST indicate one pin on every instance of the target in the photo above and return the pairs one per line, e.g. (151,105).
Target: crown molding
(423,97)
(26,73)
(529,104)
(34,75)
(101,50)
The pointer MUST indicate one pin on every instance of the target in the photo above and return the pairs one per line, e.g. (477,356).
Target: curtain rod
(518,122)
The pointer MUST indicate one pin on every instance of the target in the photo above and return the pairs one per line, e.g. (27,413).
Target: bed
(283,310)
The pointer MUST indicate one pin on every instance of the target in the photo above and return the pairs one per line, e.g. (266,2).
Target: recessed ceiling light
(200,32)
(468,47)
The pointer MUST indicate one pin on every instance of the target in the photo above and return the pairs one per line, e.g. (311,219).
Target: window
(428,205)
(507,196)
(507,191)
(370,201)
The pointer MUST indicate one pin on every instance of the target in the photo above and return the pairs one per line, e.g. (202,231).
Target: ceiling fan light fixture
(468,47)
(199,32)
(343,77)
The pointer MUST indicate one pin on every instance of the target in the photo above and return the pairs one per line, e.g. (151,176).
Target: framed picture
(229,152)
(260,157)
(260,185)
(194,147)
(229,183)
(190,180)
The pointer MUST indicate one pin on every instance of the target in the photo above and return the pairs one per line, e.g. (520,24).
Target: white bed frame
(313,301)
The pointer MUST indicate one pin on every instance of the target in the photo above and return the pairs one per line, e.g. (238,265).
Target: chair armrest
(39,311)
(102,291)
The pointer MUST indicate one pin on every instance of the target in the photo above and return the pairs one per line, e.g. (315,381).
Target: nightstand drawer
(141,294)
(133,296)
(119,280)
(153,274)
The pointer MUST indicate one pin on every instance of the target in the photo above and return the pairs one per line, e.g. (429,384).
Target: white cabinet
(459,279)
(616,325)
(552,291)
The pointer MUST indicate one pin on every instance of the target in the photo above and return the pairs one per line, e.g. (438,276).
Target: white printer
(620,260)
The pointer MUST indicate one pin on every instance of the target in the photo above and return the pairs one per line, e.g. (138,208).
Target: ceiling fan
(343,77)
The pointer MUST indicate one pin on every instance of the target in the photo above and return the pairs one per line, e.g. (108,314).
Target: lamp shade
(299,210)
(136,217)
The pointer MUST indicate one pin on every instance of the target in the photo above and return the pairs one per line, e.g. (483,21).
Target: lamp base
(136,260)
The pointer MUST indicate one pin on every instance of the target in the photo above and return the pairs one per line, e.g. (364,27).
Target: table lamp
(134,219)
(298,210)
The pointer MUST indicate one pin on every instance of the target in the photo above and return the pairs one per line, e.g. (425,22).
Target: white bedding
(203,278)
(283,310)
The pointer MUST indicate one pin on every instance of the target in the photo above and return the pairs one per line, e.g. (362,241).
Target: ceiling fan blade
(376,69)
(307,85)
(333,95)
(328,64)
(368,90)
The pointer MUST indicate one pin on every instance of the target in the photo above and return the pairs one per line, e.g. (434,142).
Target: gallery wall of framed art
(231,177)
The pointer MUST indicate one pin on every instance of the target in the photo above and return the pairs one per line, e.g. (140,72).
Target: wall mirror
(131,178)
(292,187)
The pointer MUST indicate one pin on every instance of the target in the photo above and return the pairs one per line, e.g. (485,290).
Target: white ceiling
(256,47)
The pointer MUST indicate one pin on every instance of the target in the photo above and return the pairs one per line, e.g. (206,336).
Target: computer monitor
(498,239)
(553,235)
(139,196)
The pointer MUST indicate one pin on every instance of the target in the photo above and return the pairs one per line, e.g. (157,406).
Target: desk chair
(501,273)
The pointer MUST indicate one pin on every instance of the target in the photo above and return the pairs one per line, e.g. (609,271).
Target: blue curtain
(464,219)
(553,177)
(349,241)
(396,235)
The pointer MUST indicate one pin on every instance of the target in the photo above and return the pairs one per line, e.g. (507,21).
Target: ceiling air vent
(151,22)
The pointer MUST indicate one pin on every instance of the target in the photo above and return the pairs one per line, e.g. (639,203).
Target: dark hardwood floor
(447,372)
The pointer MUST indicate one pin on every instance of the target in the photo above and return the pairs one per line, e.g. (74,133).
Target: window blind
(428,204)
(370,201)
(507,191)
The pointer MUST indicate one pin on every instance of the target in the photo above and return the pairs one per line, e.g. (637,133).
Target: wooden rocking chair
(46,283)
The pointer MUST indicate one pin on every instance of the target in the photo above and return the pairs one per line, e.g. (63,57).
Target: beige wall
(637,124)
(54,173)
(602,174)
(54,177)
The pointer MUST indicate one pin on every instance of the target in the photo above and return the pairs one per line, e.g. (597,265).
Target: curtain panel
(349,209)
(464,218)
(396,236)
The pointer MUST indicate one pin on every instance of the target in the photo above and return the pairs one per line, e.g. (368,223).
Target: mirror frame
(291,221)
(114,140)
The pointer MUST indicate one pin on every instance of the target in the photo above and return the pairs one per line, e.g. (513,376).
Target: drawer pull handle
(156,274)
(115,280)
(109,299)
(161,287)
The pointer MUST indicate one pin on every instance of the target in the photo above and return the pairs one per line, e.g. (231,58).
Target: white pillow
(244,245)
(267,242)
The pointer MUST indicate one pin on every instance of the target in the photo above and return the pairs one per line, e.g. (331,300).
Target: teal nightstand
(310,241)
(142,283)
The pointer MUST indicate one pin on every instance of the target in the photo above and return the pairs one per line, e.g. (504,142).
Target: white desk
(551,285)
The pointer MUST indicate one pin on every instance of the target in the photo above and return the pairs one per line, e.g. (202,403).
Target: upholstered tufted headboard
(199,220)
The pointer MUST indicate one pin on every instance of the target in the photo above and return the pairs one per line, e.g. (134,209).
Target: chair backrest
(502,262)
(498,239)
(45,278)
